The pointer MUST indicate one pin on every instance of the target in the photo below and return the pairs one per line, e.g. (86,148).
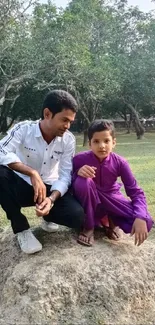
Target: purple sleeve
(132,189)
(76,167)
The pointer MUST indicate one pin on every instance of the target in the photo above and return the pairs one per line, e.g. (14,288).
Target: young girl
(95,185)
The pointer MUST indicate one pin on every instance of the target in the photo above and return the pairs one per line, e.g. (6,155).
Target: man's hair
(57,100)
(101,125)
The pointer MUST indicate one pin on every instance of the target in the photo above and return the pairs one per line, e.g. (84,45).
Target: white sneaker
(28,243)
(49,226)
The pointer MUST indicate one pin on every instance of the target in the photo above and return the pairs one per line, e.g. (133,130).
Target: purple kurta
(101,195)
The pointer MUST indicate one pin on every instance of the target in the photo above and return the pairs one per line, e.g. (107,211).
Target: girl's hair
(101,125)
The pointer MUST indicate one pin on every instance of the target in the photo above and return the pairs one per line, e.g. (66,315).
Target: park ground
(141,157)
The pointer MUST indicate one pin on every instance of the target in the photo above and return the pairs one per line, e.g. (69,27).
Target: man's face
(61,122)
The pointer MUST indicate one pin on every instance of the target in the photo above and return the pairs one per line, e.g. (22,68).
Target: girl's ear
(114,142)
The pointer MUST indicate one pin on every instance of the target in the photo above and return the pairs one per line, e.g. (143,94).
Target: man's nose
(67,125)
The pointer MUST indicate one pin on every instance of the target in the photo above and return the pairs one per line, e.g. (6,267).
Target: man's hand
(87,171)
(44,208)
(37,183)
(139,228)
(39,187)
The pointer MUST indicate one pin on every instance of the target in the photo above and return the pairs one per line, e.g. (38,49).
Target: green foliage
(16,61)
(103,52)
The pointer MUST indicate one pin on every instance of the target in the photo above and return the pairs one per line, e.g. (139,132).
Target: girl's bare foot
(112,232)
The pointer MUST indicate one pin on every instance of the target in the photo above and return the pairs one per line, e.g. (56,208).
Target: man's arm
(54,196)
(60,186)
(65,168)
(8,157)
(37,183)
(22,168)
(9,145)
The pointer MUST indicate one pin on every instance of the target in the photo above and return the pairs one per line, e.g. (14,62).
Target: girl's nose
(102,145)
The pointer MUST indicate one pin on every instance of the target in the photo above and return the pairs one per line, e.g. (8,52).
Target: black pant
(16,193)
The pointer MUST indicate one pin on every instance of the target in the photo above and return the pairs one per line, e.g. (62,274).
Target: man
(35,169)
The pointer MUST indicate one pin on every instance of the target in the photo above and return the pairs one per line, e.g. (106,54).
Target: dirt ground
(108,284)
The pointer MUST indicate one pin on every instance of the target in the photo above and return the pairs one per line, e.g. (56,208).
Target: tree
(89,72)
(100,51)
(117,63)
(134,59)
(15,62)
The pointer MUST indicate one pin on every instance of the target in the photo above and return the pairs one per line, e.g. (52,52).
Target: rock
(110,283)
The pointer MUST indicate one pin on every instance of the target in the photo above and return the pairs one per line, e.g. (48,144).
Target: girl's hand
(87,171)
(139,228)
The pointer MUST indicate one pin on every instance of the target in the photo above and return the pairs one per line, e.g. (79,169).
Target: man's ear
(47,114)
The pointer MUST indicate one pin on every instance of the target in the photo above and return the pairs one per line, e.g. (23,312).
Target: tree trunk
(85,133)
(3,125)
(138,126)
(128,124)
(6,121)
(139,129)
(128,127)
(85,138)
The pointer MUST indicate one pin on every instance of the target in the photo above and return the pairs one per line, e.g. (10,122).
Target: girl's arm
(132,189)
(76,166)
(80,168)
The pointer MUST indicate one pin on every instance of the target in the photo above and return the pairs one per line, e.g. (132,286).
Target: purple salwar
(101,195)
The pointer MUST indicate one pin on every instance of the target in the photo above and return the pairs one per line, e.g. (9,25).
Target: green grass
(141,156)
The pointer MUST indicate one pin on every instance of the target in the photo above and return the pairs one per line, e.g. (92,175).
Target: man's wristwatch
(52,201)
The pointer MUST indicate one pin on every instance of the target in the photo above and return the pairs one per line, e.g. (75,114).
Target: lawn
(141,156)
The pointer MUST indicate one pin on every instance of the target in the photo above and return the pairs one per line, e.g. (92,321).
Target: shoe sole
(32,252)
(49,230)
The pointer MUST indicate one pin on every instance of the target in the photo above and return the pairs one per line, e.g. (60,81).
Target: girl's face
(102,143)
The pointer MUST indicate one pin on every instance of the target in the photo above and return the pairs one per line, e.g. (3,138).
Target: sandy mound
(109,284)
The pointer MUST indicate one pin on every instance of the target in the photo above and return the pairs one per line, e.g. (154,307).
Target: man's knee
(79,216)
(5,172)
(75,213)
